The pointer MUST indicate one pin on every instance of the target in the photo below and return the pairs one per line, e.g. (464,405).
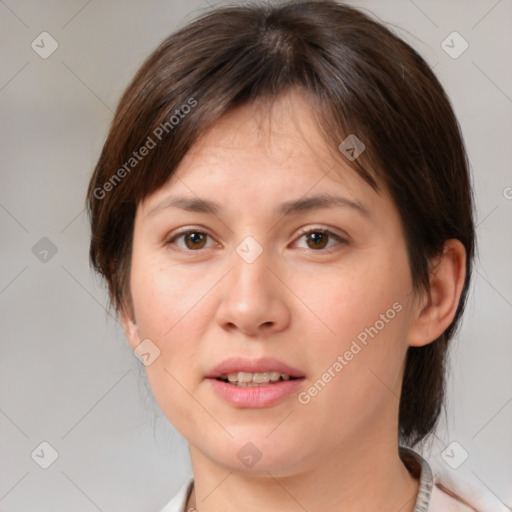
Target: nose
(253,299)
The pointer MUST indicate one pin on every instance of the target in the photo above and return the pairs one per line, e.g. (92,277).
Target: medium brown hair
(363,79)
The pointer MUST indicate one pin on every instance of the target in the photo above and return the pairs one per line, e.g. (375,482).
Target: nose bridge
(250,272)
(249,261)
(252,300)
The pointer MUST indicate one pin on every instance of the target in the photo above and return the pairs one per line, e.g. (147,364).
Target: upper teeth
(258,378)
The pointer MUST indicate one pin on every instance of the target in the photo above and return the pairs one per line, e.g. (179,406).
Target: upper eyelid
(330,231)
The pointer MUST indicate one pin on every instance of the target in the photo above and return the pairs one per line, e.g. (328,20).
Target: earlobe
(131,331)
(436,312)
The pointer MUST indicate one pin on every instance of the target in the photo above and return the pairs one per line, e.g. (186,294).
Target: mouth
(248,379)
(240,371)
(254,383)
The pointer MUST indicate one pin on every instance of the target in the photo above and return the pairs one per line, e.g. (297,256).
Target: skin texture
(301,301)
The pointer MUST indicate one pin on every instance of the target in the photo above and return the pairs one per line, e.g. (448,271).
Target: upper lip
(241,364)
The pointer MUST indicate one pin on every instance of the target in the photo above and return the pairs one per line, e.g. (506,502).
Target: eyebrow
(287,208)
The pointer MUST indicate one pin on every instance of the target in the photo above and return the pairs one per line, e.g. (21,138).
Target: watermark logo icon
(249,249)
(44,250)
(44,455)
(454,455)
(44,45)
(352,147)
(146,352)
(249,455)
(454,45)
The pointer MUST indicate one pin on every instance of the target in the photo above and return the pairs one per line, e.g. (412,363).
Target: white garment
(430,498)
(178,503)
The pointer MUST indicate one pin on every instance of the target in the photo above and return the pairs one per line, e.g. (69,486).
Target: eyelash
(341,240)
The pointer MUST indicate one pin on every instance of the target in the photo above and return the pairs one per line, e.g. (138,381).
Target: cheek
(164,305)
(163,294)
(364,311)
(161,300)
(356,295)
(173,309)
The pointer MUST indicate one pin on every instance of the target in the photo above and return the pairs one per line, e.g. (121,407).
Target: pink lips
(257,396)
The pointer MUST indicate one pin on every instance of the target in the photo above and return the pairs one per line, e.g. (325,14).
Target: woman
(283,214)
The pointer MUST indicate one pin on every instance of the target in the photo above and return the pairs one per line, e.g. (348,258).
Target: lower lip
(255,396)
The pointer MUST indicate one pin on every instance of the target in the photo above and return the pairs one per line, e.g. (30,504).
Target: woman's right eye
(193,240)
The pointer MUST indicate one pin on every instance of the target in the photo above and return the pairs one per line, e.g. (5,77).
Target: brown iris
(198,240)
(318,238)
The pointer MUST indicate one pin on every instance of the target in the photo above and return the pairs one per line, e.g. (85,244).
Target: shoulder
(443,499)
(178,502)
(458,493)
(453,494)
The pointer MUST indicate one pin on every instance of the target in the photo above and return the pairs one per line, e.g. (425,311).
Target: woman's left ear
(437,309)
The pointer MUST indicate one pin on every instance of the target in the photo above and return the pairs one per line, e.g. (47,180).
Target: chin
(256,454)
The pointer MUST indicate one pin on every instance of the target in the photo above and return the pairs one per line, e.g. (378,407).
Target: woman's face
(321,291)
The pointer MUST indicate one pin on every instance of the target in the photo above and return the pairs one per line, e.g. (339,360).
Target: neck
(364,478)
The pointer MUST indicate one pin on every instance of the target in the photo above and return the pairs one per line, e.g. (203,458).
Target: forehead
(278,133)
(269,143)
(260,156)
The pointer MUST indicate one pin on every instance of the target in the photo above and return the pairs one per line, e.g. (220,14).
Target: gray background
(68,377)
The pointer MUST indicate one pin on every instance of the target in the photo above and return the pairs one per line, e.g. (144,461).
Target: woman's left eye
(318,239)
